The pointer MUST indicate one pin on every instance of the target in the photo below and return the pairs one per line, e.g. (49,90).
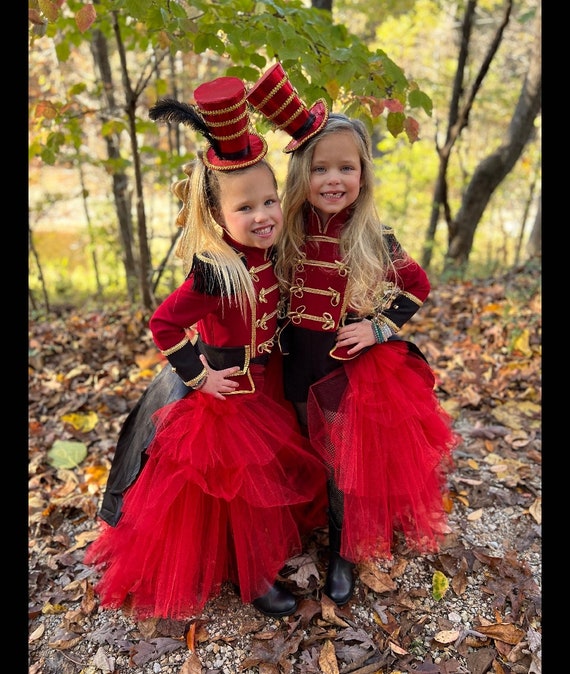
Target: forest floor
(474,607)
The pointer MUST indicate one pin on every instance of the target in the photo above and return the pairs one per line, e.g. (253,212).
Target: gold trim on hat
(223,111)
(293,117)
(280,110)
(233,135)
(227,122)
(236,163)
(272,92)
(296,144)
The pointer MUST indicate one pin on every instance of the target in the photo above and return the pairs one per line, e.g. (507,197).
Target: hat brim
(321,113)
(258,150)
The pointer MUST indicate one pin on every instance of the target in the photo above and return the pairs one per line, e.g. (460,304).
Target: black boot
(339,585)
(277,602)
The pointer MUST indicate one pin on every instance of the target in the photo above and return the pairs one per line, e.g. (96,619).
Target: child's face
(250,207)
(335,174)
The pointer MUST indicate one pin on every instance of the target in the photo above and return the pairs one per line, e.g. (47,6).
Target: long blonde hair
(202,234)
(362,243)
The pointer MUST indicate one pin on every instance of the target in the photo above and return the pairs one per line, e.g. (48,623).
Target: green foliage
(395,123)
(324,57)
(252,33)
(418,99)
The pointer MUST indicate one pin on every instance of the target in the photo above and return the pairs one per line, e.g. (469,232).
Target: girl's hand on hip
(218,382)
(356,336)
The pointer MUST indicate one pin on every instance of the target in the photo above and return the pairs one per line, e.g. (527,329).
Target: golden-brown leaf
(446,636)
(37,633)
(329,612)
(83,538)
(375,579)
(536,510)
(327,659)
(191,665)
(507,632)
(397,650)
(398,567)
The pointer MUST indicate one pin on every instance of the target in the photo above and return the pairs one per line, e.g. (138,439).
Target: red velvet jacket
(225,336)
(318,293)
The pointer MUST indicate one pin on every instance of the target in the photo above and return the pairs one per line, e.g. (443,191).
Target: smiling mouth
(263,231)
(332,195)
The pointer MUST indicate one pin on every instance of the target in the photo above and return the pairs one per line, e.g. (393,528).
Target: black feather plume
(170,110)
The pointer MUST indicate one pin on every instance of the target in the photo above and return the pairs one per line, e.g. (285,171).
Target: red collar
(255,256)
(332,226)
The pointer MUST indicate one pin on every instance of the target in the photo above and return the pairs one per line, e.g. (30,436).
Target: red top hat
(274,96)
(223,107)
(221,116)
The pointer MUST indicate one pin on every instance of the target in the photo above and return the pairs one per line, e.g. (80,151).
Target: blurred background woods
(451,92)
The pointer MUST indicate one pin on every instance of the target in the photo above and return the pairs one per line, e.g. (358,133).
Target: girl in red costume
(229,485)
(365,396)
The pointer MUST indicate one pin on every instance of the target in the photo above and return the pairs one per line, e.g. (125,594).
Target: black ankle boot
(339,585)
(277,602)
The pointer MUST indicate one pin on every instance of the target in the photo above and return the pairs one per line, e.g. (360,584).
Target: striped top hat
(222,117)
(274,96)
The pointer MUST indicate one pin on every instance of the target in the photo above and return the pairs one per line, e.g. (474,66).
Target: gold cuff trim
(192,383)
(413,298)
(175,348)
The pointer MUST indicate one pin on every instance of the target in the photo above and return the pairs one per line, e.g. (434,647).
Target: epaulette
(206,280)
(394,245)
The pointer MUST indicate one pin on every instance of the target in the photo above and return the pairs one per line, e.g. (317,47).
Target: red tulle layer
(377,422)
(228,492)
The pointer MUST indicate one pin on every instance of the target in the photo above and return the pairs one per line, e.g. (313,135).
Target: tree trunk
(493,169)
(90,231)
(527,208)
(534,245)
(120,180)
(131,98)
(457,121)
(458,118)
(34,252)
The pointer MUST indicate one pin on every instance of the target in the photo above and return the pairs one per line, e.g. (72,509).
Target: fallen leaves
(505,632)
(327,659)
(329,613)
(191,665)
(536,510)
(375,579)
(439,585)
(81,421)
(483,341)
(67,453)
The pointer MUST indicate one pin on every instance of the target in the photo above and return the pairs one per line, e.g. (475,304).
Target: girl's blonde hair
(362,245)
(201,218)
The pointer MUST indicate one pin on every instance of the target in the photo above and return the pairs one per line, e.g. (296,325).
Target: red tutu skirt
(227,493)
(378,425)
